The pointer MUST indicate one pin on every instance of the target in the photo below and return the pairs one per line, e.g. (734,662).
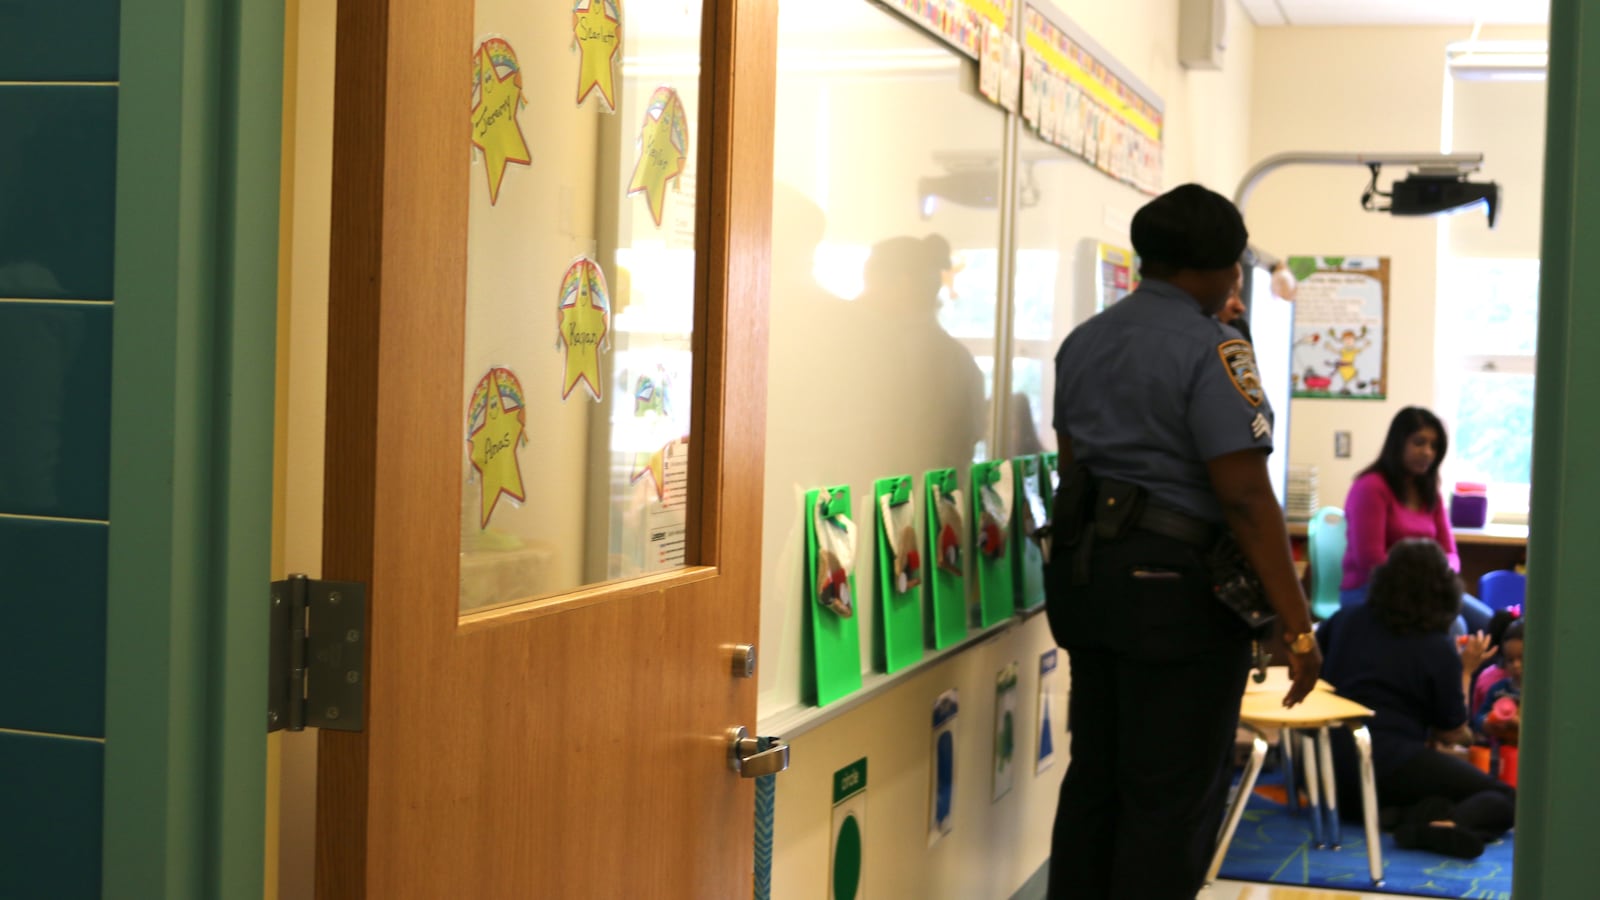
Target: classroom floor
(1236,890)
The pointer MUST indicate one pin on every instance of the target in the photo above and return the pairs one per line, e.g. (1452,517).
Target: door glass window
(583,120)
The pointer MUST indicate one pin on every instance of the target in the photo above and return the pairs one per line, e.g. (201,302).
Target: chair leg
(1247,785)
(1369,802)
(1308,757)
(1291,781)
(1330,789)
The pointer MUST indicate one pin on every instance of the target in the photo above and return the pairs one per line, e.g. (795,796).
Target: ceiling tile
(1407,12)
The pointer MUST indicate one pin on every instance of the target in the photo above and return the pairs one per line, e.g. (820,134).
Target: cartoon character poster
(1341,319)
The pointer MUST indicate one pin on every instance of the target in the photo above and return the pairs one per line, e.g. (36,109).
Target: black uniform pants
(1485,806)
(1158,667)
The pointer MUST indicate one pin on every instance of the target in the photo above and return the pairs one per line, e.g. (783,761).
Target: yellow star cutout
(583,329)
(494,455)
(663,150)
(652,464)
(599,38)
(495,129)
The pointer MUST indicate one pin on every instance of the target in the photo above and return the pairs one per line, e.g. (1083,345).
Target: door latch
(753,757)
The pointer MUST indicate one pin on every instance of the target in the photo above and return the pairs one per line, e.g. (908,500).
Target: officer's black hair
(1391,462)
(1188,227)
(1415,591)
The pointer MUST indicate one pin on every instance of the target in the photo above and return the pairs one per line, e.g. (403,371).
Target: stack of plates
(1302,499)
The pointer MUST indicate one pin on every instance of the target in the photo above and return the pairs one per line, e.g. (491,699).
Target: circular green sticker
(847,861)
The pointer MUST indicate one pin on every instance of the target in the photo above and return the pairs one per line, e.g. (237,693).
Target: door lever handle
(753,757)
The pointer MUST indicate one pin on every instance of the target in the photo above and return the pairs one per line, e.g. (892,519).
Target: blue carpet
(1274,845)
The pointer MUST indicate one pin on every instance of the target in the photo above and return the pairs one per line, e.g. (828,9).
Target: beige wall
(1355,90)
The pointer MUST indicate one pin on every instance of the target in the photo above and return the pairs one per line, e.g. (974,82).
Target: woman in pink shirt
(1398,497)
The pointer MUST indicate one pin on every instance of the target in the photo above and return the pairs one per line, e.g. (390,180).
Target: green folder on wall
(947,558)
(1029,515)
(1049,464)
(898,641)
(831,661)
(993,540)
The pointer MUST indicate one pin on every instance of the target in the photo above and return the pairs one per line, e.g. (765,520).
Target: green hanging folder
(1029,516)
(831,663)
(1049,480)
(947,558)
(1049,474)
(898,641)
(993,543)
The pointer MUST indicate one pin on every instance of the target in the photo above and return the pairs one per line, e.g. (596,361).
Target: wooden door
(572,745)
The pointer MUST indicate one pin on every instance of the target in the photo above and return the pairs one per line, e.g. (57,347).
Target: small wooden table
(1263,713)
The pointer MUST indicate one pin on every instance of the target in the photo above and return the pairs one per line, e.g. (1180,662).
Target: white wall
(1355,89)
(995,847)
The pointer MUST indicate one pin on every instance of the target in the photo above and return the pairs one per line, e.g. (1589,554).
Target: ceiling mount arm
(1461,162)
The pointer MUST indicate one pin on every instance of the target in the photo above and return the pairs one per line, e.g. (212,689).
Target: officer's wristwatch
(1301,644)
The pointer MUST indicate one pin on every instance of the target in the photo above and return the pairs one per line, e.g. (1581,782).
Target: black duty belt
(1170,523)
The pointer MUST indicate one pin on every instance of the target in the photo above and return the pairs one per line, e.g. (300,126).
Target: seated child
(1486,676)
(1499,715)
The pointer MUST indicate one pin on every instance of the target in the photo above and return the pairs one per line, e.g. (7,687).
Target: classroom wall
(995,846)
(1310,93)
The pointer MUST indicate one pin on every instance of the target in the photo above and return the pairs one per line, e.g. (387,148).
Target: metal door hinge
(317,668)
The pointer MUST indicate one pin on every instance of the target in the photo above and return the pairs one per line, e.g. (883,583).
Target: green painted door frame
(1559,786)
(199,136)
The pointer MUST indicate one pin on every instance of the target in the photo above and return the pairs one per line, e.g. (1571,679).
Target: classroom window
(1488,326)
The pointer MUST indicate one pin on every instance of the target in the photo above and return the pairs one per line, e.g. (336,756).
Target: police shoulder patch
(1240,361)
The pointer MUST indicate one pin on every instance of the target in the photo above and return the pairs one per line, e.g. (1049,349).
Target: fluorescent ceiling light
(1498,60)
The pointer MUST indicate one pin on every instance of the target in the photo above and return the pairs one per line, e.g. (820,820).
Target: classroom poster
(942,767)
(1116,274)
(1005,730)
(1049,716)
(1341,324)
(849,831)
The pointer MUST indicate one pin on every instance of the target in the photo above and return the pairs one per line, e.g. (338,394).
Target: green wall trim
(1558,787)
(191,459)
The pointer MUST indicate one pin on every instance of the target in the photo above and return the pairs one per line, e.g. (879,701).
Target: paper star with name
(584,318)
(597,29)
(495,129)
(663,150)
(653,464)
(494,456)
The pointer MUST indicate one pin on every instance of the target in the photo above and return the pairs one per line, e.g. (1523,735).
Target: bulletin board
(1080,99)
(1341,327)
(960,23)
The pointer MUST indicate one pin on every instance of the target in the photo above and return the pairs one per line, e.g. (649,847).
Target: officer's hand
(1304,669)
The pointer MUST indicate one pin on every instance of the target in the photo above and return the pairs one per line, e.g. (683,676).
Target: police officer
(1164,432)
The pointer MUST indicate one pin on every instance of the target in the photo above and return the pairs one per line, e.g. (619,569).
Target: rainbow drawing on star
(583,320)
(663,150)
(496,429)
(497,101)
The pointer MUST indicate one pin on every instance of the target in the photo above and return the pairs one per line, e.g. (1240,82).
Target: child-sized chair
(1325,551)
(1502,588)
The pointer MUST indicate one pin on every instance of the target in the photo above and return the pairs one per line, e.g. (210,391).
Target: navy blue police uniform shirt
(1152,389)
